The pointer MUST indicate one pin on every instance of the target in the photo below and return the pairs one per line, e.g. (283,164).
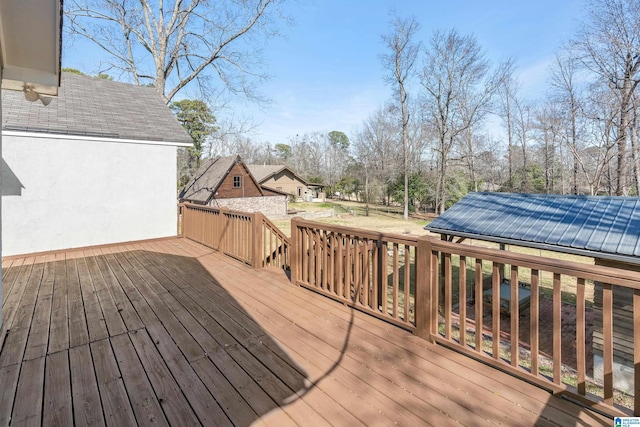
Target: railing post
(223,225)
(179,220)
(423,303)
(294,260)
(258,236)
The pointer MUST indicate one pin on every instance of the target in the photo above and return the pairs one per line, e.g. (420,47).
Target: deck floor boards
(169,332)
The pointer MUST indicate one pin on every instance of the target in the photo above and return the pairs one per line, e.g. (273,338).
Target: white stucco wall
(72,193)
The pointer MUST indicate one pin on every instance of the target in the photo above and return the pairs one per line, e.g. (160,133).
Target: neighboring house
(228,182)
(282,178)
(602,227)
(95,166)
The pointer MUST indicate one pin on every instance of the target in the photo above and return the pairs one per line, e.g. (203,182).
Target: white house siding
(270,206)
(69,193)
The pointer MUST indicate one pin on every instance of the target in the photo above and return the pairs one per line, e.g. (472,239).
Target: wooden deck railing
(475,266)
(373,272)
(438,289)
(275,246)
(248,237)
(443,292)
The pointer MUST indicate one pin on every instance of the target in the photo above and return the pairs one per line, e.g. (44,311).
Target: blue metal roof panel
(607,225)
(582,227)
(607,236)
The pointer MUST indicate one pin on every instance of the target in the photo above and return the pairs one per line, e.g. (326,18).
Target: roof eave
(85,137)
(31,39)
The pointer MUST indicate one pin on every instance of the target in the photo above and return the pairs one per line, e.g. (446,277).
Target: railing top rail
(611,275)
(217,210)
(365,234)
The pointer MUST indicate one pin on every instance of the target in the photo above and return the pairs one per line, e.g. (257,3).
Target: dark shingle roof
(95,107)
(597,226)
(207,179)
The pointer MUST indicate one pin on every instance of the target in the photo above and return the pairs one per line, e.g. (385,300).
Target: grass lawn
(352,214)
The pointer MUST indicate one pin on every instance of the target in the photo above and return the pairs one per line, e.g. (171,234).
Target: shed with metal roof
(604,228)
(597,226)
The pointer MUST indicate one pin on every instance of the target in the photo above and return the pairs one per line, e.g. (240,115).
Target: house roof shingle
(597,226)
(263,172)
(95,107)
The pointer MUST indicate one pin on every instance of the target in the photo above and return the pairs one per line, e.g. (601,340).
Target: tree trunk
(405,145)
(635,153)
(621,140)
(574,142)
(442,190)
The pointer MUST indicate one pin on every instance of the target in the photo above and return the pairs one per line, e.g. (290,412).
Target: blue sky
(326,71)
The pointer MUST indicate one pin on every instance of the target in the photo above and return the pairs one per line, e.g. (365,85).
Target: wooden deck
(170,332)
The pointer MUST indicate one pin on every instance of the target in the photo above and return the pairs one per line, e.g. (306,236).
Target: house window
(237,182)
(299,191)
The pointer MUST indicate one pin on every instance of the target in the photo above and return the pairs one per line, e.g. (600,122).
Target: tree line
(455,121)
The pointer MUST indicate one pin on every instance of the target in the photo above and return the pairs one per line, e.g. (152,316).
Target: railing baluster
(636,352)
(326,284)
(339,269)
(274,258)
(357,272)
(495,310)
(435,290)
(478,297)
(366,253)
(514,306)
(375,276)
(396,280)
(407,280)
(462,300)
(309,253)
(557,329)
(607,337)
(447,296)
(333,242)
(384,278)
(581,364)
(317,260)
(534,329)
(348,269)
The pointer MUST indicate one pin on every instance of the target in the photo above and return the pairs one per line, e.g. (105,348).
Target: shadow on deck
(170,332)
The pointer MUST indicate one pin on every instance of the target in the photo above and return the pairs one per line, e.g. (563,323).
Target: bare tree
(456,79)
(595,156)
(564,76)
(635,144)
(172,43)
(549,124)
(609,46)
(377,142)
(523,126)
(507,92)
(399,62)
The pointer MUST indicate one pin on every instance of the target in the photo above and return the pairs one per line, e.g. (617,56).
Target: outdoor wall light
(32,96)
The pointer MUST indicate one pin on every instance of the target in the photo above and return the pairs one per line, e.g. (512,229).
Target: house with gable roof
(283,178)
(228,182)
(95,166)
